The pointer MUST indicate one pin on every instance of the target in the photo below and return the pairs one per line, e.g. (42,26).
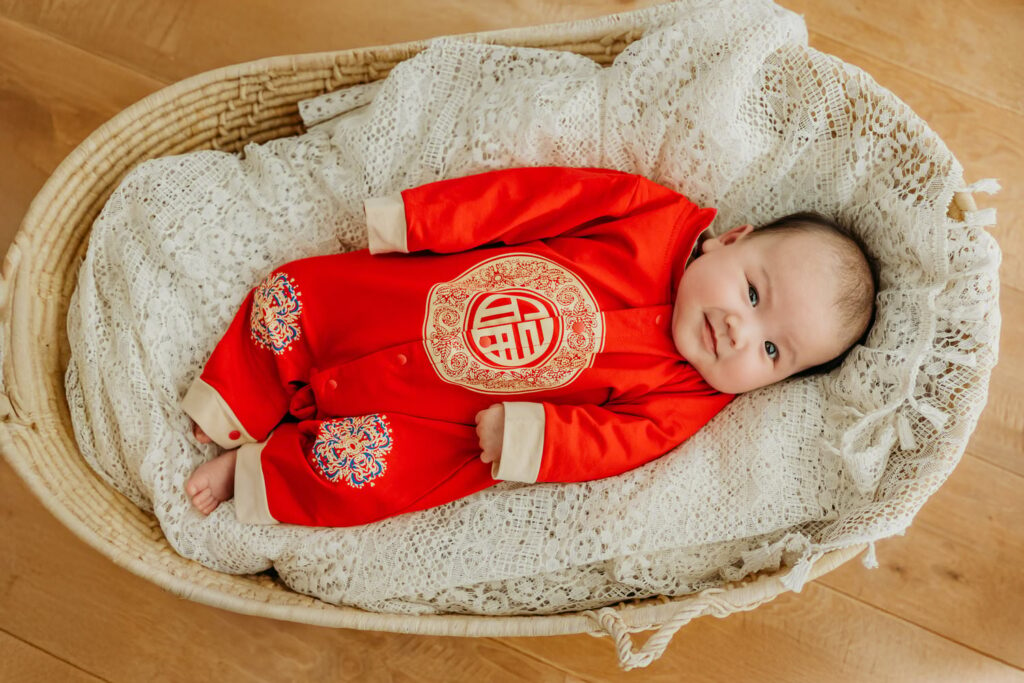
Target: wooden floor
(948,600)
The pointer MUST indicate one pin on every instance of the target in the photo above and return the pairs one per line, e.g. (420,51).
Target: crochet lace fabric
(722,102)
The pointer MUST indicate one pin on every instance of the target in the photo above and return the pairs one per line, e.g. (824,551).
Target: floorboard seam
(51,654)
(915,72)
(63,40)
(555,665)
(1003,469)
(924,628)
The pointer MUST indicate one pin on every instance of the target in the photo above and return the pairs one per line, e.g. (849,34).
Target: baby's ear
(725,238)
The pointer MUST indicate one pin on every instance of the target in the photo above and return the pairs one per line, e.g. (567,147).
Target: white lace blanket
(721,101)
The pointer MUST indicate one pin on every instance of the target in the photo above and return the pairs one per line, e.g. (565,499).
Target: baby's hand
(200,435)
(490,429)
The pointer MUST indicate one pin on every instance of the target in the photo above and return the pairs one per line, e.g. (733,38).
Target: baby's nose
(737,331)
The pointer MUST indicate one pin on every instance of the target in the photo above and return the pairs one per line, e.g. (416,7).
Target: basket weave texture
(226,109)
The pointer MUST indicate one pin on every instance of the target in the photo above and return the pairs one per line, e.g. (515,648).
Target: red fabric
(363,343)
(298,494)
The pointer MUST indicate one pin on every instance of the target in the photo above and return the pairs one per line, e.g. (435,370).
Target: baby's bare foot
(213,482)
(200,435)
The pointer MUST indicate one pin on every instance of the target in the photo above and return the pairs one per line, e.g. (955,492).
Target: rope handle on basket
(612,624)
(7,272)
(10,264)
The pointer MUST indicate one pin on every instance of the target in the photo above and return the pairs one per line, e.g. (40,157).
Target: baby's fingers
(200,435)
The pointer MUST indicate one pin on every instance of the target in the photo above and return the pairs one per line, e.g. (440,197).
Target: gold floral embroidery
(515,323)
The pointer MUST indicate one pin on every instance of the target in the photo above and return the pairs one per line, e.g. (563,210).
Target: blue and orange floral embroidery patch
(274,320)
(352,450)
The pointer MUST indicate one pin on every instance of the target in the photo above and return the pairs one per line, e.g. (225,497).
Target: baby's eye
(752,293)
(773,352)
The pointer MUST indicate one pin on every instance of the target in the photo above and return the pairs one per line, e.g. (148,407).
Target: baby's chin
(725,385)
(696,362)
(713,382)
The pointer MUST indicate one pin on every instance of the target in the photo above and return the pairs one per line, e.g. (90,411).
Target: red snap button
(332,384)
(402,360)
(234,434)
(658,319)
(579,327)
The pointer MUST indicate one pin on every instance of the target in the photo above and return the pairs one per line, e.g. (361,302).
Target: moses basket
(223,110)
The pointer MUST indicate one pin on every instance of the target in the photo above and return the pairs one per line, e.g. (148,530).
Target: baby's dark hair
(856,269)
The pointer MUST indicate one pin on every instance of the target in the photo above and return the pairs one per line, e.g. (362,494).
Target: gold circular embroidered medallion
(512,324)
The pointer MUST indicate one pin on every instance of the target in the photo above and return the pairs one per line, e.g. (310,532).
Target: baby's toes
(202,499)
(194,486)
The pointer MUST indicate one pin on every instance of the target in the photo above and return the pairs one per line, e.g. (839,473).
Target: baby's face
(752,311)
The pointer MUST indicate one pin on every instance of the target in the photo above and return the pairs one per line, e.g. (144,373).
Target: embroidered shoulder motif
(352,450)
(274,320)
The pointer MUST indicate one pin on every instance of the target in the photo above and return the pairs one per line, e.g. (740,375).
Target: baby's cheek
(732,375)
(760,374)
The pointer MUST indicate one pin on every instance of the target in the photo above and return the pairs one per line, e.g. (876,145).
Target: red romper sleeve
(246,385)
(550,442)
(510,206)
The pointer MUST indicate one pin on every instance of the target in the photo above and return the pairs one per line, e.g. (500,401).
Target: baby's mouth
(711,333)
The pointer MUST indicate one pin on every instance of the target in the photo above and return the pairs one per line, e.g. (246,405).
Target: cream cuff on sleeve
(251,505)
(522,446)
(385,224)
(204,405)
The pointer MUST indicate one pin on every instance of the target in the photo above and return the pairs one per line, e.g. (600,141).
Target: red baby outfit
(548,289)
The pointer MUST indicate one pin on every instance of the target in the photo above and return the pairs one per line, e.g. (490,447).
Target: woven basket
(225,109)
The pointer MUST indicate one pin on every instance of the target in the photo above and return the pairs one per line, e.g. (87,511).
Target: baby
(554,324)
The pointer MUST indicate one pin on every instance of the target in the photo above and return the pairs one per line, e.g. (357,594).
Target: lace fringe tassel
(986,185)
(981,218)
(959,358)
(801,572)
(906,432)
(870,559)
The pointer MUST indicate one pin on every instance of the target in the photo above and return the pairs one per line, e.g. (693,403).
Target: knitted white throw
(720,101)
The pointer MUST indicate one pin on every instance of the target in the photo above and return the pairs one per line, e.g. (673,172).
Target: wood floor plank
(975,46)
(24,663)
(817,635)
(70,601)
(957,571)
(46,109)
(999,438)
